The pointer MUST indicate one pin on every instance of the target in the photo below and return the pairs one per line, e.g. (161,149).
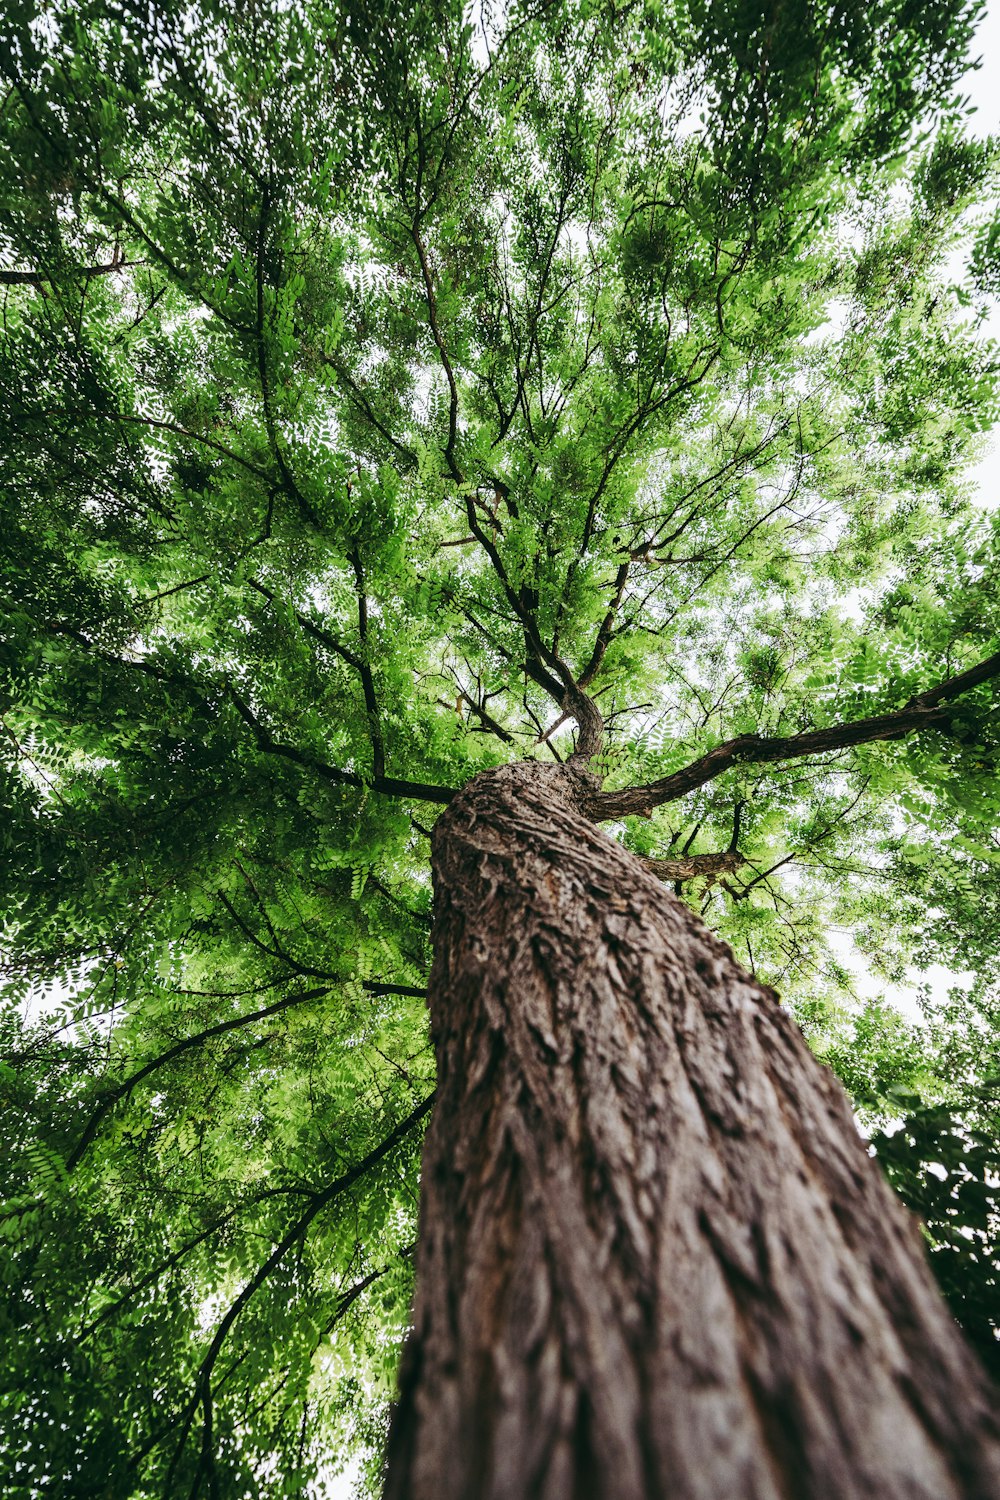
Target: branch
(203,1379)
(446,365)
(127,1085)
(482,714)
(606,632)
(153,422)
(352,1294)
(288,481)
(364,668)
(365,407)
(809,845)
(726,862)
(924,711)
(39,279)
(390,785)
(119,207)
(121,1090)
(588,716)
(178,588)
(343,1305)
(563,687)
(319,632)
(570,694)
(286,1190)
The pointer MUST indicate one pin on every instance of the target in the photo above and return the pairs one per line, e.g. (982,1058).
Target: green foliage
(359,364)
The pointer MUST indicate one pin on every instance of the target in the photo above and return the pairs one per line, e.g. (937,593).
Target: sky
(981,86)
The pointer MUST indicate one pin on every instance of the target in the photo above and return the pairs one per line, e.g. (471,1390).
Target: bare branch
(924,711)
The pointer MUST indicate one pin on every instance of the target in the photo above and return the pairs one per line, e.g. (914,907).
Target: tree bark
(655,1258)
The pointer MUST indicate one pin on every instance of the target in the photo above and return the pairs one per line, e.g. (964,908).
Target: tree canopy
(390,392)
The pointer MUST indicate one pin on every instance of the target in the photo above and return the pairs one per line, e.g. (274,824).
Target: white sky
(981,85)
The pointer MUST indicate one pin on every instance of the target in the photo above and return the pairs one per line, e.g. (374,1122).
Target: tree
(549,426)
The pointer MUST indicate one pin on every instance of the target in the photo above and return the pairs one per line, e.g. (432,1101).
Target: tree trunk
(655,1259)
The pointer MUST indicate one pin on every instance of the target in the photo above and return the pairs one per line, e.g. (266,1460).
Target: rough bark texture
(655,1259)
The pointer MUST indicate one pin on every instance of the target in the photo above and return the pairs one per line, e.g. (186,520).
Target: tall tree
(546,424)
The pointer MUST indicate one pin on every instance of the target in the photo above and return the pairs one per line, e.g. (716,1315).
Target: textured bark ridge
(655,1259)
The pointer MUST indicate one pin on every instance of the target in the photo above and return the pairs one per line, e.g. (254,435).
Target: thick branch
(725,862)
(390,785)
(924,711)
(588,716)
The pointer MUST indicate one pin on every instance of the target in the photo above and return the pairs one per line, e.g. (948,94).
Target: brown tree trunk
(655,1259)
